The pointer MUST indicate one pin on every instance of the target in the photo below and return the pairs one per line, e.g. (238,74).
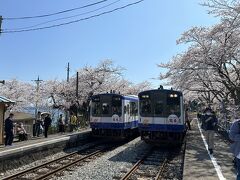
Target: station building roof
(5,100)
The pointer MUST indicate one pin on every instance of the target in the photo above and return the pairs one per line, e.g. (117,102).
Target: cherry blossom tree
(20,92)
(55,93)
(209,69)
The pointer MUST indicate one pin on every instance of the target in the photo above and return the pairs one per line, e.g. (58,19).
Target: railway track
(149,166)
(157,164)
(49,169)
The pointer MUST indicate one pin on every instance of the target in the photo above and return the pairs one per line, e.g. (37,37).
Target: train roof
(124,96)
(161,90)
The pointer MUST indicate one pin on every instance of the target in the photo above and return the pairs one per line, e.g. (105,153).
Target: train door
(126,112)
(146,110)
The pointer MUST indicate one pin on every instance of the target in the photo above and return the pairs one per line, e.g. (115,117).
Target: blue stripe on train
(161,127)
(129,125)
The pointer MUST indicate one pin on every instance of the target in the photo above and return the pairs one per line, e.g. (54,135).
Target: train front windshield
(106,106)
(145,105)
(160,104)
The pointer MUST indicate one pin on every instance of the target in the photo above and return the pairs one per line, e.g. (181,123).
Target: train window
(159,107)
(105,108)
(116,101)
(173,99)
(133,108)
(173,104)
(128,109)
(117,110)
(96,108)
(173,109)
(145,107)
(117,106)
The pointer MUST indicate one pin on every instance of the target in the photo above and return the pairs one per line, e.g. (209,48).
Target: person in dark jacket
(234,135)
(9,130)
(47,123)
(61,124)
(199,116)
(209,121)
(187,119)
(37,125)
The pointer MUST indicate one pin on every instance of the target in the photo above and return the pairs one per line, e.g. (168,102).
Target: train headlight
(173,95)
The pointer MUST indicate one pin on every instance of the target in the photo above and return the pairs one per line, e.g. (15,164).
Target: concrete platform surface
(199,164)
(39,143)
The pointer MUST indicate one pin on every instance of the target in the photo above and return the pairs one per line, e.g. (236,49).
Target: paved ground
(203,166)
(41,139)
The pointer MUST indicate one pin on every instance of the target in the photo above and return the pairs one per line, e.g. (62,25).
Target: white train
(162,116)
(114,115)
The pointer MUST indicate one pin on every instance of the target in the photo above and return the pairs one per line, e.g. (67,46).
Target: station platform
(199,164)
(40,145)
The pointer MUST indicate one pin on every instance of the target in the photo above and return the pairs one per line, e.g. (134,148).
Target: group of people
(209,122)
(9,130)
(42,123)
(73,123)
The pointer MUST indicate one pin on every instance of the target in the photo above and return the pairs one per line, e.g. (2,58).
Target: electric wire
(63,18)
(75,21)
(56,13)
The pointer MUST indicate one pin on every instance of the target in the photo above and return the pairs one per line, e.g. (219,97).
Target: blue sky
(137,38)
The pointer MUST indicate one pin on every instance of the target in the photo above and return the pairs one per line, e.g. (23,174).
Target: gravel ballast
(109,165)
(45,157)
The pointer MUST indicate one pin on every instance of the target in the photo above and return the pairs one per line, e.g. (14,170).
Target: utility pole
(67,99)
(68,69)
(77,86)
(1,24)
(37,81)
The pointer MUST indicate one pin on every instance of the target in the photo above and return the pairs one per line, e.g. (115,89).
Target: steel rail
(68,165)
(160,172)
(14,176)
(136,165)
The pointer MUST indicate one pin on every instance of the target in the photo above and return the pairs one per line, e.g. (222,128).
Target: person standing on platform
(234,135)
(9,130)
(199,116)
(209,125)
(187,119)
(38,124)
(47,123)
(35,125)
(61,124)
(73,122)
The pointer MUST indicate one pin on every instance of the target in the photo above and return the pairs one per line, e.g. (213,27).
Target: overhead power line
(56,13)
(75,21)
(68,17)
